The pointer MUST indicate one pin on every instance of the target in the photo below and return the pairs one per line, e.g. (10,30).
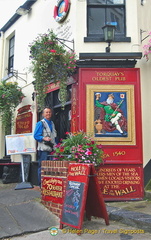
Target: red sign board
(24,123)
(25,108)
(122,182)
(121,139)
(82,194)
(52,189)
(74,109)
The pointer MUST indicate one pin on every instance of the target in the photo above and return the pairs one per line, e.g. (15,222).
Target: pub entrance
(61,116)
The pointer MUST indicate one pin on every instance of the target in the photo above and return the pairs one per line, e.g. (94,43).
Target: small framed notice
(20,144)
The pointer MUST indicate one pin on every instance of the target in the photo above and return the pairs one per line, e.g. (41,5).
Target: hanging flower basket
(51,62)
(10,97)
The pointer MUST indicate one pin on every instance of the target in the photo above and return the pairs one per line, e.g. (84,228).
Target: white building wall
(144,23)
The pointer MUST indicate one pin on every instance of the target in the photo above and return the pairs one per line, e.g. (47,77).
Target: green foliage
(50,63)
(148,186)
(79,147)
(10,97)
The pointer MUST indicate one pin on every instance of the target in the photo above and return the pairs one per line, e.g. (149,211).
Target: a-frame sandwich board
(82,195)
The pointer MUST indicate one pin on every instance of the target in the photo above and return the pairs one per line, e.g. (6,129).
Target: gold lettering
(120,79)
(108,76)
(56,194)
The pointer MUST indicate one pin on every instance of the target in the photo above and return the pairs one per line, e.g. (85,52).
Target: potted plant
(79,147)
(10,97)
(51,62)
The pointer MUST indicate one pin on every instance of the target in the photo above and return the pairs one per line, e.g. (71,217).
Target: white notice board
(20,143)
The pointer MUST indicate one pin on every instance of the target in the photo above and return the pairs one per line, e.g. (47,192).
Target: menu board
(82,195)
(73,202)
(20,143)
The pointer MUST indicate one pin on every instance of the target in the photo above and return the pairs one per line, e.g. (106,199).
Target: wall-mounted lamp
(109,31)
(143,2)
(22,10)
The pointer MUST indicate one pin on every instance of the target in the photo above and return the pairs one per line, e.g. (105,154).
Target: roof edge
(16,16)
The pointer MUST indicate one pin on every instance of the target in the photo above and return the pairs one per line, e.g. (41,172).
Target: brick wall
(56,169)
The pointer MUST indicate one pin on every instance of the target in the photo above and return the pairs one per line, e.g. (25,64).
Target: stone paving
(22,213)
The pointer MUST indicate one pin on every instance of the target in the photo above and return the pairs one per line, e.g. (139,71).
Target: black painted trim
(116,55)
(101,39)
(106,63)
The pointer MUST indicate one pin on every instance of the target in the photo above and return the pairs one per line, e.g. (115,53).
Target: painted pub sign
(24,120)
(109,108)
(52,189)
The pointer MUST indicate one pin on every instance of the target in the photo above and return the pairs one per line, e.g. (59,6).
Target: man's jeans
(42,155)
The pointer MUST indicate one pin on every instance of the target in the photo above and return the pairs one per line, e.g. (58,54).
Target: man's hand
(47,139)
(98,95)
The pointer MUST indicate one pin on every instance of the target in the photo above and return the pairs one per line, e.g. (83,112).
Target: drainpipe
(1,53)
(2,137)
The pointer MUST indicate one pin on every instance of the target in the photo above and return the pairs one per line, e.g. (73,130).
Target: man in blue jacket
(45,135)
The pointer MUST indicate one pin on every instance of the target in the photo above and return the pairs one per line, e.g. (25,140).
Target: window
(101,12)
(11,54)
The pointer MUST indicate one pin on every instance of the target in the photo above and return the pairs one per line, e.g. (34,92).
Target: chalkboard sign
(73,202)
(82,195)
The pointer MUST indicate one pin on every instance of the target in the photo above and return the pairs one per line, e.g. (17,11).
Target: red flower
(58,145)
(88,152)
(53,51)
(62,149)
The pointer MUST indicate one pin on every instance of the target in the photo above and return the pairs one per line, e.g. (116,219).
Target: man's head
(98,95)
(110,98)
(47,113)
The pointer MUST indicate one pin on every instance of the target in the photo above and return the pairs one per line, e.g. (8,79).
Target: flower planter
(54,176)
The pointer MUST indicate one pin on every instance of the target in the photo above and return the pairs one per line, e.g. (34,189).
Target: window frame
(100,37)
(11,48)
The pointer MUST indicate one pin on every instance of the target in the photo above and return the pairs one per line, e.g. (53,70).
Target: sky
(8,9)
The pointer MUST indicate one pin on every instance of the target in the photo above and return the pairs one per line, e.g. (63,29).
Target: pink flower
(88,152)
(3,95)
(99,146)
